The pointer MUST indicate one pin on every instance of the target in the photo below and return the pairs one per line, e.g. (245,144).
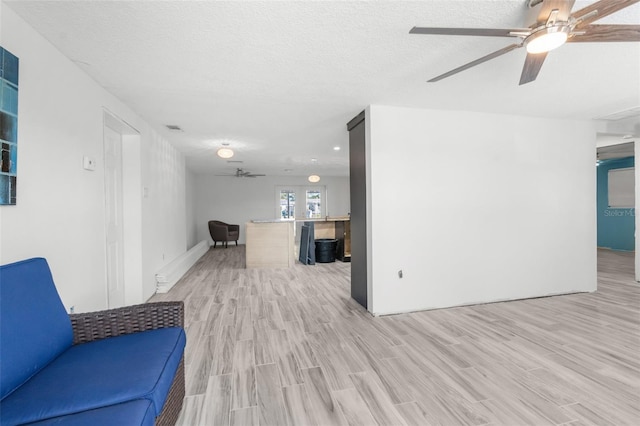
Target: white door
(113,217)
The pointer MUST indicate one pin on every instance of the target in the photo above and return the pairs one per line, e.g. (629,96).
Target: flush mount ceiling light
(547,38)
(225,151)
(314,178)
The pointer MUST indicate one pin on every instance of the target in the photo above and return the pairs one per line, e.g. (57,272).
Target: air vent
(174,127)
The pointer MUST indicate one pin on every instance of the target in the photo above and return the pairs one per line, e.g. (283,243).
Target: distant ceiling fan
(240,173)
(554,26)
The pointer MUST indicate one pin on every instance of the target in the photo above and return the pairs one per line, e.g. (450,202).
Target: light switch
(89,163)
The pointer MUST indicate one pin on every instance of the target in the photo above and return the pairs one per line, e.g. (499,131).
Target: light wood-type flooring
(290,347)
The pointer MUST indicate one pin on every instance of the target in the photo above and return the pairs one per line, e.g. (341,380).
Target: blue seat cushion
(34,326)
(134,413)
(98,374)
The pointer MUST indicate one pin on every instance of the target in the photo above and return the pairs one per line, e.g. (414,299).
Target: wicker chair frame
(91,326)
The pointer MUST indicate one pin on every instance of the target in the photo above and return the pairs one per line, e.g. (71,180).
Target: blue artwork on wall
(8,126)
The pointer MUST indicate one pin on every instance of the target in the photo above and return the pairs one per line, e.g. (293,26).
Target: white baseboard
(171,273)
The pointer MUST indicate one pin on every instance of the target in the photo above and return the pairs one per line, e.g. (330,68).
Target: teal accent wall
(616,227)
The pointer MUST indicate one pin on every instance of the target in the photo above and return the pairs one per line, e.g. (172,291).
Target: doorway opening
(616,200)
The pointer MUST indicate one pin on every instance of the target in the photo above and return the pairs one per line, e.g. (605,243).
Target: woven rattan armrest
(91,326)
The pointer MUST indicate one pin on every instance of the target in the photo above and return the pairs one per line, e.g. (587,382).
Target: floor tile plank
(270,399)
(244,378)
(217,401)
(378,402)
(299,410)
(355,410)
(320,398)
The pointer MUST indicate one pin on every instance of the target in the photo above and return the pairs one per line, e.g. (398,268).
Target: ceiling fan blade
(486,32)
(603,8)
(252,175)
(604,33)
(532,66)
(563,7)
(476,62)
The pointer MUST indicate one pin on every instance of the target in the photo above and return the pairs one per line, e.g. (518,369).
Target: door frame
(636,141)
(131,194)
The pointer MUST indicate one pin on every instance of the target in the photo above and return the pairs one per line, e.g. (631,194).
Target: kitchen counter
(270,243)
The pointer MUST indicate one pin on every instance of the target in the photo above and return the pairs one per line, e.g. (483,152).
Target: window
(287,204)
(622,188)
(314,204)
(311,202)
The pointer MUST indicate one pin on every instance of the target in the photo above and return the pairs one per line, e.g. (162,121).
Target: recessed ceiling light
(336,148)
(314,178)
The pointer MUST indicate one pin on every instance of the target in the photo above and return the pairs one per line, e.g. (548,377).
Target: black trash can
(326,250)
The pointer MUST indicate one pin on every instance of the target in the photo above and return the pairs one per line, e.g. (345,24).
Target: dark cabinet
(343,235)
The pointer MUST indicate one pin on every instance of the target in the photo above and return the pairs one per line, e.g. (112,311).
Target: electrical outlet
(89,163)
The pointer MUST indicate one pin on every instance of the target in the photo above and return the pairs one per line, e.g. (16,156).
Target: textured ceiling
(280,80)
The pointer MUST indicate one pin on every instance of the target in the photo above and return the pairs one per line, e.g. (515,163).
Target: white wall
(240,200)
(60,207)
(164,209)
(478,207)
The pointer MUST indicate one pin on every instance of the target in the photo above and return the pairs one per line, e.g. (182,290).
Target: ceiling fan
(554,25)
(240,173)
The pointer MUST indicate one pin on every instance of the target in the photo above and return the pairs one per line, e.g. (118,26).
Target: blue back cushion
(34,326)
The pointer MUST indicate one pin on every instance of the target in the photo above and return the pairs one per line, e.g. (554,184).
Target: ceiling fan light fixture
(314,178)
(225,153)
(547,39)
